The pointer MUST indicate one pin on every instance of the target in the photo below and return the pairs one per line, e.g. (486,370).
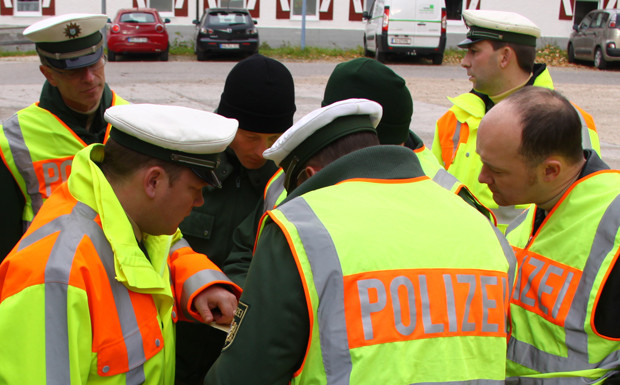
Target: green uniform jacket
(270,342)
(11,224)
(238,262)
(209,229)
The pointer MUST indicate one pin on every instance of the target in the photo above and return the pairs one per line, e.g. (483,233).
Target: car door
(373,24)
(579,40)
(590,35)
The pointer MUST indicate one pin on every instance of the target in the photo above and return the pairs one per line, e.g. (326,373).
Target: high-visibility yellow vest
(562,269)
(397,292)
(79,301)
(454,145)
(38,148)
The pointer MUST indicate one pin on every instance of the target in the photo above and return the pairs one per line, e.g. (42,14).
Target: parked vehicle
(138,31)
(406,27)
(225,30)
(596,38)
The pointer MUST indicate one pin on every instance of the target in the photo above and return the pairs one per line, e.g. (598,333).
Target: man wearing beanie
(352,266)
(370,79)
(259,92)
(37,143)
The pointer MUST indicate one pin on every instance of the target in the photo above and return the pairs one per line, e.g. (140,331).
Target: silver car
(596,38)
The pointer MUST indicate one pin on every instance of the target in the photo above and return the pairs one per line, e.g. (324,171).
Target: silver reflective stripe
(468,382)
(586,143)
(510,257)
(275,189)
(517,221)
(73,228)
(506,214)
(195,282)
(445,179)
(181,243)
(576,339)
(455,138)
(23,160)
(328,280)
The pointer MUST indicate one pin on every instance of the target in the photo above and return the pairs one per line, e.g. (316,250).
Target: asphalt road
(190,83)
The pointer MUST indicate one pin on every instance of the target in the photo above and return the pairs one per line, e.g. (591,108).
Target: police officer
(565,304)
(501,49)
(347,287)
(259,92)
(92,291)
(357,78)
(39,141)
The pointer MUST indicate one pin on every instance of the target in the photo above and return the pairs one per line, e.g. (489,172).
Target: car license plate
(137,39)
(401,40)
(229,46)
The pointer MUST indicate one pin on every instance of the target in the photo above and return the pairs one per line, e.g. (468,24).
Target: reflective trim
(511,258)
(181,243)
(23,161)
(328,280)
(274,191)
(195,283)
(455,138)
(576,338)
(517,221)
(506,214)
(586,143)
(467,382)
(445,179)
(73,228)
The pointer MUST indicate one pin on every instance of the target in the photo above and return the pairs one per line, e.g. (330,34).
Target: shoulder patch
(242,309)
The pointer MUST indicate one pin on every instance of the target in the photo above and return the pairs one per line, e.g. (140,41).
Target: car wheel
(599,59)
(111,56)
(164,55)
(201,56)
(366,51)
(571,53)
(437,59)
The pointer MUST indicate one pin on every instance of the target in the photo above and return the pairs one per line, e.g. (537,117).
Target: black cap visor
(203,165)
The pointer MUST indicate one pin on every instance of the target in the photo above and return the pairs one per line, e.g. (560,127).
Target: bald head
(530,146)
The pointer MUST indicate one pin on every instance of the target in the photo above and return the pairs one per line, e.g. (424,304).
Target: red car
(138,31)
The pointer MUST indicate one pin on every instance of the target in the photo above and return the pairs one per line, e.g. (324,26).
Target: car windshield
(227,18)
(137,17)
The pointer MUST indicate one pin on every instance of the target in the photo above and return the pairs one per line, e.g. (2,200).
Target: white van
(408,27)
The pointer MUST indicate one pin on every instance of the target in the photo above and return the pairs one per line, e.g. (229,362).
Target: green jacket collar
(376,162)
(51,100)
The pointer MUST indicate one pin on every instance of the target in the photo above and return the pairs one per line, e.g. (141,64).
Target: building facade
(328,23)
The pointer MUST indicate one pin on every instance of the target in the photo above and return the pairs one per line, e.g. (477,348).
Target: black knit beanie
(259,93)
(369,79)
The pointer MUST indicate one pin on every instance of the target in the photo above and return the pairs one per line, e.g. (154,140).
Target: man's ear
(552,167)
(506,54)
(49,75)
(153,179)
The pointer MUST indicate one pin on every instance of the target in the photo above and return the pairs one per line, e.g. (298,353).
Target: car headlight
(251,31)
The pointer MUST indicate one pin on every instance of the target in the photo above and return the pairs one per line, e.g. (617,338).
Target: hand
(215,303)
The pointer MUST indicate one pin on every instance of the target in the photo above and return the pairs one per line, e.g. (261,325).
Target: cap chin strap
(289,176)
(70,55)
(194,161)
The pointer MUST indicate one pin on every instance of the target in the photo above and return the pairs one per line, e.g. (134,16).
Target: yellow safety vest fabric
(79,301)
(38,148)
(454,145)
(562,270)
(386,304)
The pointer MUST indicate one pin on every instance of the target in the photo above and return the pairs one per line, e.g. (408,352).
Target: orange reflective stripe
(586,117)
(446,130)
(544,286)
(51,173)
(395,305)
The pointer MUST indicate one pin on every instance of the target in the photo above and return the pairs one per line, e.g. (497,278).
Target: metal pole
(103,11)
(303,25)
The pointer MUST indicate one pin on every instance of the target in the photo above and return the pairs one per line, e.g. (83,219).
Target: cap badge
(72,30)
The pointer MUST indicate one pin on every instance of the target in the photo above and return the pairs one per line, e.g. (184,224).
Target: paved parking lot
(184,81)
